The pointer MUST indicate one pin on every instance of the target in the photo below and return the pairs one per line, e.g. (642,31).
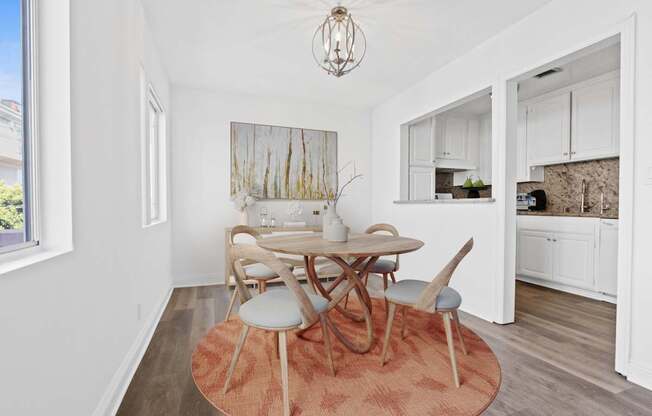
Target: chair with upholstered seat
(277,310)
(260,273)
(433,297)
(383,267)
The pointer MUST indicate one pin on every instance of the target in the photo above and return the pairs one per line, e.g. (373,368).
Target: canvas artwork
(271,162)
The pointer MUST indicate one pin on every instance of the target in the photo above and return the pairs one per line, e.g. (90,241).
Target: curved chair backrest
(427,300)
(240,252)
(244,229)
(387,228)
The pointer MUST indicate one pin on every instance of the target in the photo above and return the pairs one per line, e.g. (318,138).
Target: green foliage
(11,206)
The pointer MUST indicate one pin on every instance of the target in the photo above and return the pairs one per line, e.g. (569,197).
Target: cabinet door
(455,134)
(573,264)
(607,275)
(421,144)
(422,183)
(440,142)
(548,130)
(595,123)
(524,172)
(485,149)
(534,257)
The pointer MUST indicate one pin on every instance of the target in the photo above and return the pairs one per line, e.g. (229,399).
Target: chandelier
(339,45)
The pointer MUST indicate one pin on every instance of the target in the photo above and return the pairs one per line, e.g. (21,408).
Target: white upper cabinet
(548,129)
(580,122)
(454,133)
(422,183)
(421,143)
(595,120)
(525,172)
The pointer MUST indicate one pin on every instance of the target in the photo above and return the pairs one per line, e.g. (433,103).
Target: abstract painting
(271,162)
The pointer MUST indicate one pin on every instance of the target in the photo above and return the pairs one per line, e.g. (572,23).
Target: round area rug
(416,380)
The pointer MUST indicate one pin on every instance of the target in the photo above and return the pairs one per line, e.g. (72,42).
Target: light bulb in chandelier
(339,45)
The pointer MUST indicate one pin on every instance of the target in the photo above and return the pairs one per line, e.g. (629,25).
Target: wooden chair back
(386,228)
(244,229)
(427,300)
(241,252)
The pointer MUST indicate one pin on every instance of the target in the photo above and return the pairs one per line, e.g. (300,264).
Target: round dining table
(355,258)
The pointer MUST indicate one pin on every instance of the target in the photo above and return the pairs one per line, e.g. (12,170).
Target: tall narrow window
(155,180)
(18,225)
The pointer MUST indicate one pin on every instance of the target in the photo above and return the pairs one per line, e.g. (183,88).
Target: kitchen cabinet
(450,142)
(607,276)
(569,253)
(579,122)
(534,254)
(421,183)
(595,120)
(421,144)
(525,172)
(548,129)
(573,259)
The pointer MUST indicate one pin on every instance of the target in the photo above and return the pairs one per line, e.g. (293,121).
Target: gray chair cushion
(259,271)
(383,266)
(277,308)
(408,291)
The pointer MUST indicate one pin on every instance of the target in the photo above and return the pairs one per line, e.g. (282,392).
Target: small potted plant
(473,187)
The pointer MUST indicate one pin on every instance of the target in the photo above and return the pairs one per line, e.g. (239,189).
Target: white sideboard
(572,254)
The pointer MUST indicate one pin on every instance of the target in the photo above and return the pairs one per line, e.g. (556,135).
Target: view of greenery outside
(11,206)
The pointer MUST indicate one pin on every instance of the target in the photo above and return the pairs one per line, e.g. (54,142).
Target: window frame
(30,128)
(151,101)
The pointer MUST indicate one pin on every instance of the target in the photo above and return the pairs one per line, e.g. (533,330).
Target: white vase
(244,217)
(329,216)
(335,230)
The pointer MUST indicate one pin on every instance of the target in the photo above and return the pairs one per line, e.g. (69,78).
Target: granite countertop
(568,214)
(448,201)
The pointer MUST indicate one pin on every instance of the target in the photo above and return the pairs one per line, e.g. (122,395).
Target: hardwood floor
(557,359)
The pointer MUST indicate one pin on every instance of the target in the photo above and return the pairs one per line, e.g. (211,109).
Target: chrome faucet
(583,206)
(603,204)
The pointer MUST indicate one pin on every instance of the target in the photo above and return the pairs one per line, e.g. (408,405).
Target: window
(18,222)
(154,160)
(446,154)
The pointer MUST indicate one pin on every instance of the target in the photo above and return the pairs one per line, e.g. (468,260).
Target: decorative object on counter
(282,162)
(295,210)
(339,232)
(243,200)
(316,217)
(263,217)
(474,187)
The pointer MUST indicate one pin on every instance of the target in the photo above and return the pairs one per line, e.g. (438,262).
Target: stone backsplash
(563,186)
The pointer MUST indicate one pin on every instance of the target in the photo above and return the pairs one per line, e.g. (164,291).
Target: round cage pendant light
(339,45)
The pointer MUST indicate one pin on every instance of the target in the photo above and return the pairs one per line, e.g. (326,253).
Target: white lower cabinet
(422,183)
(534,254)
(573,259)
(568,252)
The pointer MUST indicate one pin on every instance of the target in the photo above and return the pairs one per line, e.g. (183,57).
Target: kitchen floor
(556,359)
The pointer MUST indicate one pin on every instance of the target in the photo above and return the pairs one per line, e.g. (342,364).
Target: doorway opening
(565,136)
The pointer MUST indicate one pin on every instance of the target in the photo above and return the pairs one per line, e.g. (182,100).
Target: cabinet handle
(566,154)
(554,240)
(572,153)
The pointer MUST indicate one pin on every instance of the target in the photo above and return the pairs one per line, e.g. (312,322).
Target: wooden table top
(359,245)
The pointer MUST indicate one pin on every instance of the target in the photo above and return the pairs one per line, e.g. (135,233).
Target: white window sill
(26,257)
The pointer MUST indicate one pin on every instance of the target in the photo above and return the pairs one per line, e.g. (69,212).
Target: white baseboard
(640,374)
(193,281)
(569,289)
(114,394)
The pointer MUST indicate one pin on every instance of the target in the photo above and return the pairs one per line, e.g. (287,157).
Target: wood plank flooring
(557,359)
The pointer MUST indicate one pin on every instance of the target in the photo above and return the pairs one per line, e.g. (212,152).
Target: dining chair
(383,267)
(434,297)
(277,310)
(260,273)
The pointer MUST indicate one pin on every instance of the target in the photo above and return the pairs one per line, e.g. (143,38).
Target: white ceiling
(264,47)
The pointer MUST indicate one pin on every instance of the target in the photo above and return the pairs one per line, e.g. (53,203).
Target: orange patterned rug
(416,380)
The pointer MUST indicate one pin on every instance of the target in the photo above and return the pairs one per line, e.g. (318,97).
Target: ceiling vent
(548,72)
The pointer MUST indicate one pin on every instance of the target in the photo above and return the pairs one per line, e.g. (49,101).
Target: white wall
(68,323)
(556,28)
(201,165)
